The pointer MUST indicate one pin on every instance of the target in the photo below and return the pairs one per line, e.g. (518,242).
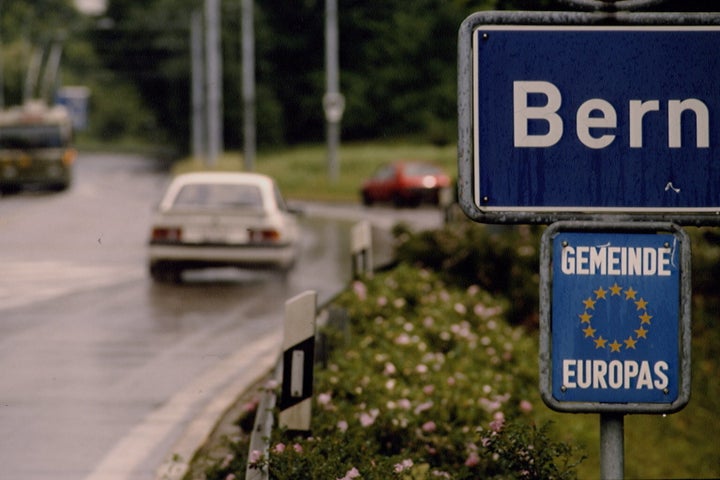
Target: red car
(405,183)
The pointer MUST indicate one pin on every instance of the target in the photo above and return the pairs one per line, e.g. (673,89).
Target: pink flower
(367,419)
(526,406)
(360,290)
(324,398)
(280,448)
(298,448)
(423,407)
(342,425)
(473,460)
(389,369)
(404,465)
(498,421)
(255,456)
(429,427)
(352,473)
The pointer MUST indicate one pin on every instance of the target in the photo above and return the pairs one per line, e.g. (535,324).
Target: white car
(222,219)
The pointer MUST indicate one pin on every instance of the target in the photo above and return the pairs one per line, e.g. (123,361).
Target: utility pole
(333,101)
(214,81)
(248,85)
(51,74)
(2,66)
(33,72)
(199,131)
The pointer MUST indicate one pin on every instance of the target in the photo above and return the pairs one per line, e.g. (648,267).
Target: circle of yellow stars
(616,345)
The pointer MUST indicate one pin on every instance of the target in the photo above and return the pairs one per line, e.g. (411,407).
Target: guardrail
(262,428)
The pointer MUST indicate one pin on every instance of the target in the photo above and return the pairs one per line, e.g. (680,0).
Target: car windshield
(31,136)
(205,195)
(420,170)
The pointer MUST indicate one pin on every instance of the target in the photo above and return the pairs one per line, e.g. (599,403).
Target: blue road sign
(616,318)
(594,119)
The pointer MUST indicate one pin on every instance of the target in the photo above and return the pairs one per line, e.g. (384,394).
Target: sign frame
(684,329)
(469,196)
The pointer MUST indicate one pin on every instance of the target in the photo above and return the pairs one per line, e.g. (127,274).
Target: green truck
(36,148)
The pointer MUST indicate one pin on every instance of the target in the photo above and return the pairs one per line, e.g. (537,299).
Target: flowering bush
(433,383)
(502,260)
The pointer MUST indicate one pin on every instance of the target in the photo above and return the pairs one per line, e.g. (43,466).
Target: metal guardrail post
(361,249)
(298,362)
(264,421)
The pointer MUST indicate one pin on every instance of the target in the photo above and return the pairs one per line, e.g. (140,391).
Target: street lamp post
(333,101)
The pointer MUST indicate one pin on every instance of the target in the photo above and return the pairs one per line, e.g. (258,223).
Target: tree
(23,30)
(147,45)
(398,64)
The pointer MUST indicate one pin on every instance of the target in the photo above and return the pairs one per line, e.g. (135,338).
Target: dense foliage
(397,64)
(502,260)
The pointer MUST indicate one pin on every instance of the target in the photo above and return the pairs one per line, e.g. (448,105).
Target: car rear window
(419,170)
(219,196)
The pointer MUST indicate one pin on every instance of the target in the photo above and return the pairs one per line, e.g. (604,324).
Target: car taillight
(166,234)
(263,235)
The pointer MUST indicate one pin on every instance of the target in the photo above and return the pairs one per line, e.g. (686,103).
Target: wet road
(102,372)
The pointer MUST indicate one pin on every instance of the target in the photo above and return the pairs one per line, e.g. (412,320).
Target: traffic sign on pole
(615,318)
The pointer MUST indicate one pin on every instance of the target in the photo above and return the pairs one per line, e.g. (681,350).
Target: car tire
(414,201)
(165,272)
(366,199)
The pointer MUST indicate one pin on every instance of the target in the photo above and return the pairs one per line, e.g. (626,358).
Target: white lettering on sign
(596,119)
(616,374)
(609,260)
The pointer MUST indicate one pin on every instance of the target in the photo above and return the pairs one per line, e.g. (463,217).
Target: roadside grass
(302,172)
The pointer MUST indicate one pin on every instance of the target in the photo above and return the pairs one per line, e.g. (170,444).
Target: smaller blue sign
(615,317)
